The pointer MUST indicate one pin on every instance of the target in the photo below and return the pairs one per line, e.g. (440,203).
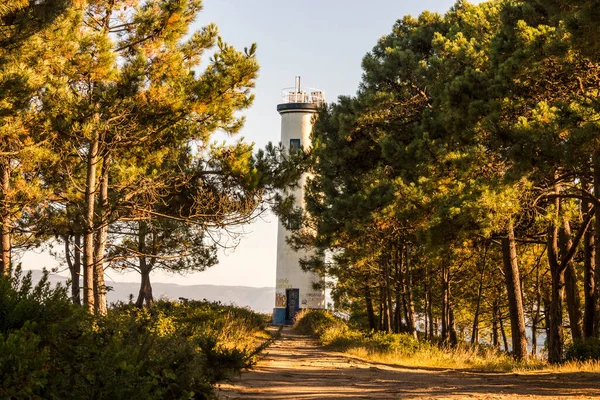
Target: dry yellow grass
(403,352)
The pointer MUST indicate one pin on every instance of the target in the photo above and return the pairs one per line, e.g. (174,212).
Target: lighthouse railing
(302,95)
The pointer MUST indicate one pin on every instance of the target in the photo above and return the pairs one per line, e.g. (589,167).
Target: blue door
(293,304)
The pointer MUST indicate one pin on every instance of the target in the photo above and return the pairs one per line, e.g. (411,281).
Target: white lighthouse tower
(294,287)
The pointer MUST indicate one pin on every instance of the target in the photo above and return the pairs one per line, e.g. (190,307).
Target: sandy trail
(297,368)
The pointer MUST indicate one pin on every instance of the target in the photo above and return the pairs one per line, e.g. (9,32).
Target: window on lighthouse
(295,144)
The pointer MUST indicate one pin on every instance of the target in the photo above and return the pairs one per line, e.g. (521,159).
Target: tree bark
(536,314)
(515,298)
(445,301)
(101,237)
(432,329)
(410,316)
(74,263)
(555,336)
(589,284)
(566,250)
(503,332)
(5,220)
(145,296)
(144,269)
(426,301)
(88,237)
(452,328)
(370,311)
(398,292)
(571,287)
(388,296)
(495,313)
(475,329)
(596,165)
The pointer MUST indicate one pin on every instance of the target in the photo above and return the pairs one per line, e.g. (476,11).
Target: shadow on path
(297,368)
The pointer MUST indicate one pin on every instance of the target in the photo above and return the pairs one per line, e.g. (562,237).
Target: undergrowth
(404,349)
(51,349)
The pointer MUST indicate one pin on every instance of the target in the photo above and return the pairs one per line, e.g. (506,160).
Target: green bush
(377,342)
(51,349)
(315,322)
(583,350)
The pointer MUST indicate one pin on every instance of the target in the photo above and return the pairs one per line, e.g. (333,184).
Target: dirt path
(297,368)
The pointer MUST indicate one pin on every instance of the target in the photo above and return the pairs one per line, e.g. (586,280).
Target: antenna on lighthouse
(297,84)
(294,289)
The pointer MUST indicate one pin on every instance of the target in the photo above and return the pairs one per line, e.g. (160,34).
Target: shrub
(50,348)
(315,322)
(583,350)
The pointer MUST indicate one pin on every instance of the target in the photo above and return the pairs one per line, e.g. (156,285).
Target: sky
(323,41)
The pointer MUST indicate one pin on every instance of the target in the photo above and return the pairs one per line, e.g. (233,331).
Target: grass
(403,349)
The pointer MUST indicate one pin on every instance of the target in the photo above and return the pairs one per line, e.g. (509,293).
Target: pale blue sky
(324,42)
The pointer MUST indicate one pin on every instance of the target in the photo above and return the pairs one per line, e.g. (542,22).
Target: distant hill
(257,299)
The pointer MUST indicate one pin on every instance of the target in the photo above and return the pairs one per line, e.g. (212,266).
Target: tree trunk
(101,237)
(589,284)
(385,317)
(426,301)
(432,329)
(88,237)
(445,299)
(573,302)
(452,328)
(536,314)
(74,263)
(475,329)
(145,296)
(398,290)
(571,287)
(555,336)
(515,298)
(410,316)
(596,165)
(381,314)
(503,332)
(145,287)
(387,295)
(534,336)
(5,220)
(495,313)
(370,311)
(546,300)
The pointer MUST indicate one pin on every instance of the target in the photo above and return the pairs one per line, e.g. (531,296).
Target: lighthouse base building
(294,288)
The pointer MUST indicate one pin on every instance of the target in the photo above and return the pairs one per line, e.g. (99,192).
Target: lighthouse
(294,287)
